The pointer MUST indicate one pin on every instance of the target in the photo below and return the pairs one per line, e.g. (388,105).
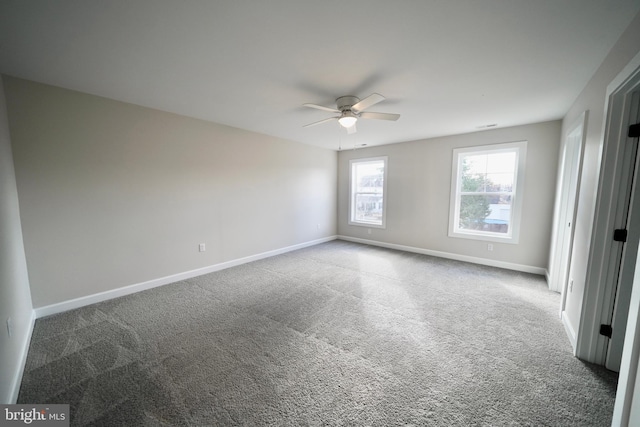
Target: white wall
(15,298)
(593,99)
(418,193)
(112,194)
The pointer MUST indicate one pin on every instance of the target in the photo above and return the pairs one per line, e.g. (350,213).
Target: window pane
(473,179)
(368,208)
(370,177)
(501,163)
(488,172)
(485,213)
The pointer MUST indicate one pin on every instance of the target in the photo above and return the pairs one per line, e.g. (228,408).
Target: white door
(570,178)
(631,210)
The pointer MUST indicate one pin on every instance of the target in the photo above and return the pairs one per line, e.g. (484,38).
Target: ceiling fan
(351,108)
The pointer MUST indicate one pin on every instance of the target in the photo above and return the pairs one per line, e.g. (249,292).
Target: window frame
(352,193)
(513,236)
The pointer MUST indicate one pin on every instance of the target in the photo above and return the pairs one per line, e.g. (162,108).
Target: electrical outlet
(318,227)
(490,247)
(9,327)
(202,247)
(369,230)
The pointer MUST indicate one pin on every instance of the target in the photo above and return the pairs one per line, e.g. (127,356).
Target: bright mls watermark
(36,415)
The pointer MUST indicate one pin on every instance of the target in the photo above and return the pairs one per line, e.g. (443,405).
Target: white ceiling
(447,66)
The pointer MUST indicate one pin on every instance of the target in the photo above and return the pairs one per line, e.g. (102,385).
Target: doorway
(567,201)
(613,210)
(625,257)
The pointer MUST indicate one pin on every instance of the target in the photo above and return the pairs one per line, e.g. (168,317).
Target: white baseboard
(448,255)
(130,289)
(547,277)
(17,379)
(571,333)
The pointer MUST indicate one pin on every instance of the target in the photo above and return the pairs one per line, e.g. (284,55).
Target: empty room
(319,213)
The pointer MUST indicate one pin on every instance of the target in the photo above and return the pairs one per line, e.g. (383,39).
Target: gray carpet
(336,334)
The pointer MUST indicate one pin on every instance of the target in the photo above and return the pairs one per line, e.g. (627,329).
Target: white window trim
(351,221)
(516,206)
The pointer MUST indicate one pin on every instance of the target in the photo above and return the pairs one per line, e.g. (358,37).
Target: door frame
(599,291)
(630,215)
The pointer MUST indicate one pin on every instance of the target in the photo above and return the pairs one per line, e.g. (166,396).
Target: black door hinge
(620,235)
(634,131)
(606,330)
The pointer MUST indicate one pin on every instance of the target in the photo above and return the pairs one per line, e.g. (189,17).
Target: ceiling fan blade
(379,116)
(352,129)
(320,107)
(370,100)
(320,122)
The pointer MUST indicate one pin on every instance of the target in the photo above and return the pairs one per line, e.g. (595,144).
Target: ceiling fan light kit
(351,108)
(347,119)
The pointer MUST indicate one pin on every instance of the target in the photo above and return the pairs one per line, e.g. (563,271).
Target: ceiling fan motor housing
(346,102)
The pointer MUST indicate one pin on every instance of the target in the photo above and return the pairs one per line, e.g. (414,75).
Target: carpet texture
(335,334)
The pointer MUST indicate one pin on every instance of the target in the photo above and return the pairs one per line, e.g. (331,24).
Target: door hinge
(620,235)
(634,131)
(606,330)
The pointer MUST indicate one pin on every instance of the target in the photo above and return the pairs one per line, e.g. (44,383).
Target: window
(367,189)
(486,192)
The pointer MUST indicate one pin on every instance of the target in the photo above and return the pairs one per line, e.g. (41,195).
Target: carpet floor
(335,334)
